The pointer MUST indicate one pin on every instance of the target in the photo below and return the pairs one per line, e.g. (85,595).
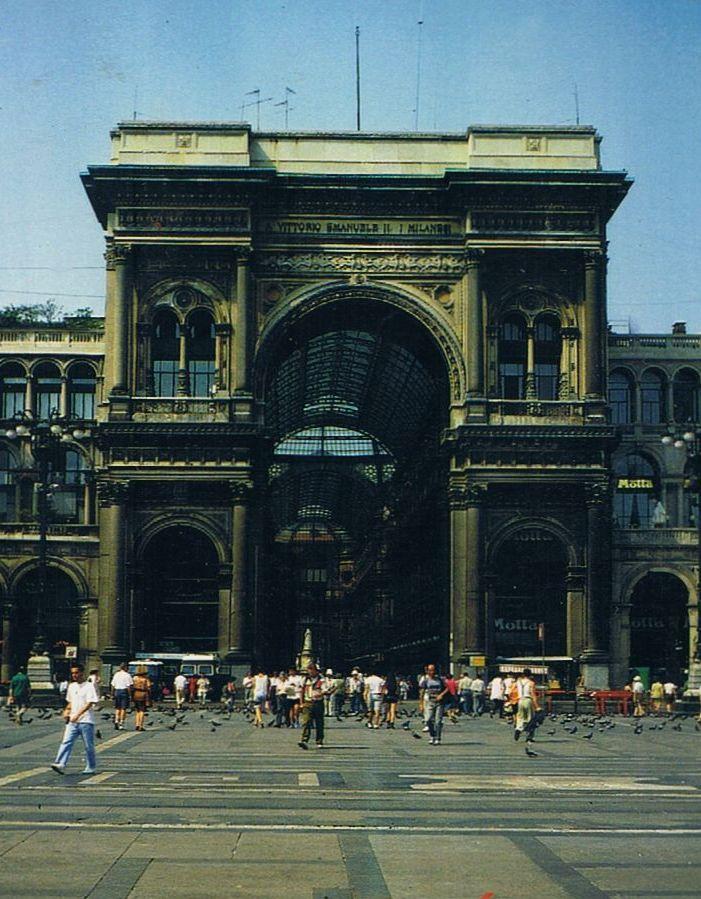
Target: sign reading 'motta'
(635,484)
(348,229)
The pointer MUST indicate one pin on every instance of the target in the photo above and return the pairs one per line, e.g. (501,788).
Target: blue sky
(70,72)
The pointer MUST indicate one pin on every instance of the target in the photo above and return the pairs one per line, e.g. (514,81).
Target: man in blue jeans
(81,696)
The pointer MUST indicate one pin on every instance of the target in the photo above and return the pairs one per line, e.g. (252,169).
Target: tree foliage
(45,314)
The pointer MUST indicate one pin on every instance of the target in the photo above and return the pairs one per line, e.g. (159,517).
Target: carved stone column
(144,374)
(112,500)
(222,331)
(576,611)
(475,326)
(242,335)
(29,394)
(594,362)
(598,584)
(118,260)
(530,385)
(6,671)
(467,612)
(183,388)
(234,609)
(63,409)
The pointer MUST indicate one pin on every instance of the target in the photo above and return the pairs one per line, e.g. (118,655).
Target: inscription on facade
(367,263)
(351,228)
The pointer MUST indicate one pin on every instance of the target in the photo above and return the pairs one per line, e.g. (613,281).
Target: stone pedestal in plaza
(40,671)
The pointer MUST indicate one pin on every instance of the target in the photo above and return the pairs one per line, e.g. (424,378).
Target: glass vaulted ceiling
(352,391)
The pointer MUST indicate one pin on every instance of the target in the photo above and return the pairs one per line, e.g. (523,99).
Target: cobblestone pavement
(231,810)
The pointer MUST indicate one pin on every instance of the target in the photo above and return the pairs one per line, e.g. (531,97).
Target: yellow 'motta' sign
(478,661)
(635,484)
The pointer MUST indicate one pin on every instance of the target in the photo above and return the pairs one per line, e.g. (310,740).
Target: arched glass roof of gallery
(332,441)
(379,381)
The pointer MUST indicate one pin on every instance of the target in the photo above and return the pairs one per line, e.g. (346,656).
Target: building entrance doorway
(60,612)
(179,607)
(531,597)
(659,626)
(356,395)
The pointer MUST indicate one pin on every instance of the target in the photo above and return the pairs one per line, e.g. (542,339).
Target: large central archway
(60,614)
(356,394)
(659,626)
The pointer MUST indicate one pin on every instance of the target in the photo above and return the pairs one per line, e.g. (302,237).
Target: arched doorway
(60,614)
(530,586)
(659,626)
(179,612)
(356,395)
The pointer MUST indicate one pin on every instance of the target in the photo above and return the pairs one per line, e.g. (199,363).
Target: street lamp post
(45,436)
(690,442)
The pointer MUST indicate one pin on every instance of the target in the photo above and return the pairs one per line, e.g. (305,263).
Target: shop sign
(635,484)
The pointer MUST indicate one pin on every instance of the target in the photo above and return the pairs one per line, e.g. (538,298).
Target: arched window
(81,392)
(165,353)
(67,499)
(512,357)
(652,397)
(48,390)
(621,397)
(548,347)
(637,489)
(13,382)
(685,394)
(200,352)
(7,485)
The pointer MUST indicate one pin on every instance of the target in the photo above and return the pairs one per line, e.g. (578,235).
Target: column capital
(598,493)
(116,254)
(240,492)
(112,493)
(243,255)
(594,258)
(464,496)
(473,257)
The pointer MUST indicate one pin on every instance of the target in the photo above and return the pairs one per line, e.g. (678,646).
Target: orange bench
(622,698)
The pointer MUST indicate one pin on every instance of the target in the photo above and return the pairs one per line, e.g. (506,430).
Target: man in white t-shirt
(81,696)
(122,683)
(180,685)
(374,698)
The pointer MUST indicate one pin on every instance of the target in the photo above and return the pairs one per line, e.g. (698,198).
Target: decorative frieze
(224,221)
(112,493)
(567,222)
(364,263)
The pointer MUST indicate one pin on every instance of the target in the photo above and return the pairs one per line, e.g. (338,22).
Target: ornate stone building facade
(355,383)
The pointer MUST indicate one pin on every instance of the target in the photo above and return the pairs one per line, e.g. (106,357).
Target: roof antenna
(257,103)
(420,24)
(136,97)
(576,103)
(286,104)
(357,78)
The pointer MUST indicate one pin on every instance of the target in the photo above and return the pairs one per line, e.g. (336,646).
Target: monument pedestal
(40,669)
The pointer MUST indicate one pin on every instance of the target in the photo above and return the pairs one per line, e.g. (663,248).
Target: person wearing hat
(330,686)
(638,697)
(313,693)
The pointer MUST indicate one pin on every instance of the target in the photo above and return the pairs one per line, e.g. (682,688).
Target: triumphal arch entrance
(355,383)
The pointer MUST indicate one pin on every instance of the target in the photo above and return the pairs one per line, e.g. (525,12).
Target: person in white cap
(638,697)
(329,690)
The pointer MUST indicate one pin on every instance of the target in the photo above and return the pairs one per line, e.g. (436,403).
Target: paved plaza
(230,810)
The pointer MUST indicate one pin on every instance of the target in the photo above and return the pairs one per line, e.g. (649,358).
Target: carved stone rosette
(112,493)
(598,493)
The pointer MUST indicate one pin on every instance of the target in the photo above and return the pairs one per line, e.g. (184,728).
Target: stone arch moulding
(48,360)
(73,571)
(574,556)
(552,301)
(14,360)
(445,339)
(197,522)
(633,578)
(156,296)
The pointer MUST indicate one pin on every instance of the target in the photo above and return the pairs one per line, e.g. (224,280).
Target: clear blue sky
(71,69)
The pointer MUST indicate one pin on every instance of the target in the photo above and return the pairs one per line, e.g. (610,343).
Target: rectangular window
(546,378)
(511,376)
(12,396)
(82,401)
(201,372)
(619,401)
(651,410)
(47,401)
(165,377)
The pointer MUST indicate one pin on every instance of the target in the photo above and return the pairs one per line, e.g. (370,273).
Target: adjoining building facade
(357,384)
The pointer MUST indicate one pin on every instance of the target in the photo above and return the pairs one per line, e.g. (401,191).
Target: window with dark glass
(685,395)
(637,491)
(81,392)
(68,495)
(512,358)
(47,397)
(652,398)
(200,352)
(548,347)
(165,353)
(621,397)
(7,485)
(13,382)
